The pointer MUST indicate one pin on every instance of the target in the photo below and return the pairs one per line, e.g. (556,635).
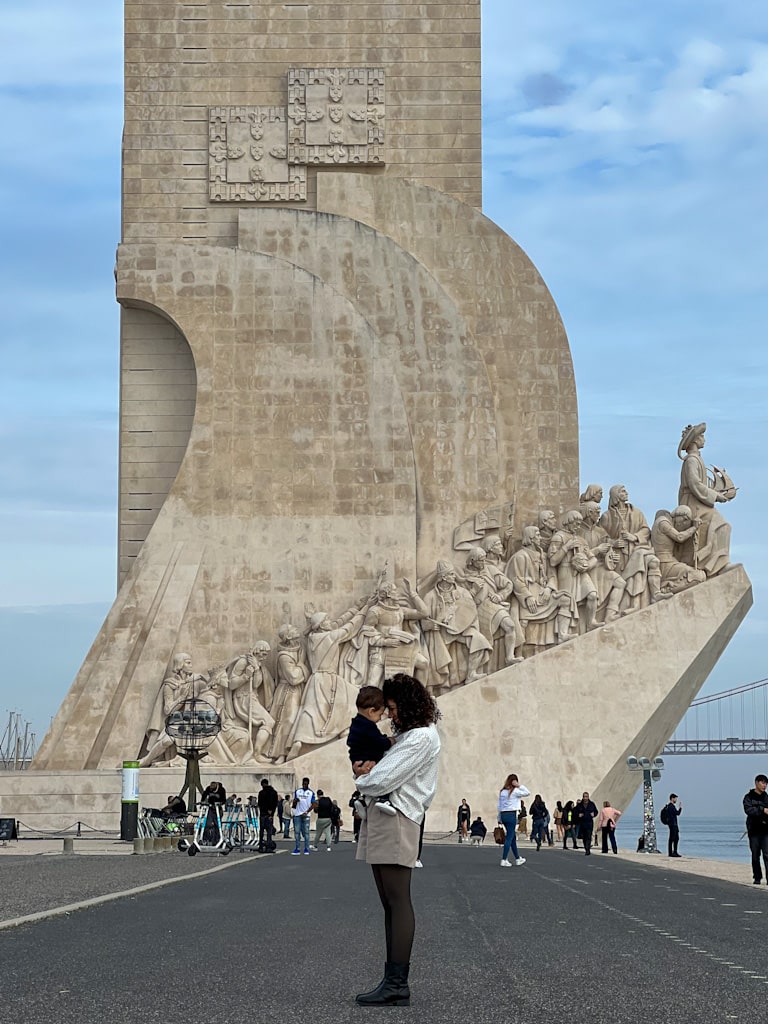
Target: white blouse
(407,772)
(510,801)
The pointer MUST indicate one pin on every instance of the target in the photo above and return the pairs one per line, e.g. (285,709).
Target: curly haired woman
(408,773)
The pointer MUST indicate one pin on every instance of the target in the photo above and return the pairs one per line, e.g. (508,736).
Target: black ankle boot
(392,991)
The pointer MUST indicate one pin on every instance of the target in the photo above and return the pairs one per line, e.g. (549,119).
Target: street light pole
(651,773)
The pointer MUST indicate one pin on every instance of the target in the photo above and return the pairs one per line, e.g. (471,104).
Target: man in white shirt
(303,799)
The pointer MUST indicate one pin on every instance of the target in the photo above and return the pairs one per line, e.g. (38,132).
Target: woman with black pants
(390,844)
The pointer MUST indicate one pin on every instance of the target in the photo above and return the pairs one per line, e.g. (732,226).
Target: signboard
(7,829)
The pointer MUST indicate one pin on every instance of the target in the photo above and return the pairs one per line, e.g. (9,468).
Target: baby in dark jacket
(366,742)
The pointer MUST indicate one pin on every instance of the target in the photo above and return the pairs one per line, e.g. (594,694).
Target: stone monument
(349,429)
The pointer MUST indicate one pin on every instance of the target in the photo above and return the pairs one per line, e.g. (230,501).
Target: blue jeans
(301,828)
(509,821)
(537,832)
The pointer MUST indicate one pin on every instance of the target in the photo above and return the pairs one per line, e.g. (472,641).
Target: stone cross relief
(334,117)
(515,596)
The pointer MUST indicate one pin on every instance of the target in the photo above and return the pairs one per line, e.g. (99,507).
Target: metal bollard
(138,845)
(69,845)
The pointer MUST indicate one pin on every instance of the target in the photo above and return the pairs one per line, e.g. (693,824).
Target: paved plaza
(291,939)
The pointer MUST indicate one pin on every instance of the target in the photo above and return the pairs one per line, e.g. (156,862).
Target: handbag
(500,834)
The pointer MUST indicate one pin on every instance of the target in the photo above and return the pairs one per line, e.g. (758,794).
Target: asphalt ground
(291,939)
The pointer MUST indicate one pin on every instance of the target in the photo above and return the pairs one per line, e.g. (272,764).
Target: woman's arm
(413,750)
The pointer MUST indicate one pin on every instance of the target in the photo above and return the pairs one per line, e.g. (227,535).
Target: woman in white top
(510,798)
(408,773)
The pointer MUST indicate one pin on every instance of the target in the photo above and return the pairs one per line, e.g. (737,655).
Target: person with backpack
(669,815)
(584,814)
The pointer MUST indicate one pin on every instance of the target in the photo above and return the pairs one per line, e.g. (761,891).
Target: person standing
(390,843)
(323,807)
(510,801)
(302,802)
(267,803)
(584,814)
(539,818)
(522,819)
(672,812)
(356,819)
(756,809)
(569,827)
(463,818)
(607,821)
(285,816)
(336,821)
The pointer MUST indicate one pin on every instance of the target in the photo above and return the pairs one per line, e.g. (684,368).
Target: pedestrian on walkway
(585,813)
(390,844)
(510,802)
(756,809)
(569,825)
(285,816)
(669,815)
(463,818)
(607,821)
(323,807)
(559,820)
(539,819)
(522,819)
(301,805)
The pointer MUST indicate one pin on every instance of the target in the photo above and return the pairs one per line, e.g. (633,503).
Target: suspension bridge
(731,722)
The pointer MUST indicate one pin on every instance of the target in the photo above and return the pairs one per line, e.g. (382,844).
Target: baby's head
(370,703)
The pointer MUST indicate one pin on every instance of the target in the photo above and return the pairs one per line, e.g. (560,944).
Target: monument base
(54,801)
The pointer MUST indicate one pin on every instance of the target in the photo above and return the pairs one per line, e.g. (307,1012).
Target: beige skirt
(388,839)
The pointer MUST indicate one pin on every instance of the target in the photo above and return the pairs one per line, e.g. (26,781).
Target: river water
(713,838)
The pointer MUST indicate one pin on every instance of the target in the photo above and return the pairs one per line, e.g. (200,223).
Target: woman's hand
(362,767)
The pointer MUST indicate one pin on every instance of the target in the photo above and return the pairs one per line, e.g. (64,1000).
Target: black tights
(394,885)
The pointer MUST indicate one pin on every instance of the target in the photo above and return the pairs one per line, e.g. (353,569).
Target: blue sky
(625,150)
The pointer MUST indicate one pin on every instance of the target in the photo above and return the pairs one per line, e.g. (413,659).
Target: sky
(625,148)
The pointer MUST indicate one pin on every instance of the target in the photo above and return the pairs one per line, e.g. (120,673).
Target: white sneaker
(360,810)
(328,849)
(385,807)
(519,861)
(418,864)
(506,864)
(313,848)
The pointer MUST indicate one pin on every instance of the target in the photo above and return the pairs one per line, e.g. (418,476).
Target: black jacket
(267,801)
(584,815)
(754,807)
(365,741)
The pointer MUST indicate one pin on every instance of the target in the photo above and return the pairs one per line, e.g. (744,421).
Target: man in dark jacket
(267,803)
(584,814)
(673,811)
(756,810)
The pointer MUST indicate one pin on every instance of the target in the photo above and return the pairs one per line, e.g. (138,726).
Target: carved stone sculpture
(292,672)
(180,683)
(547,528)
(572,560)
(391,647)
(250,691)
(544,610)
(329,698)
(670,534)
(638,563)
(609,582)
(491,590)
(711,548)
(233,744)
(457,650)
(594,492)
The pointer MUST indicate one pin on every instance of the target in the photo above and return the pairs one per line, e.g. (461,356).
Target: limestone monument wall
(349,427)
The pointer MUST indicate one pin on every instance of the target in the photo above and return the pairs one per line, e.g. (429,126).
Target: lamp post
(651,773)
